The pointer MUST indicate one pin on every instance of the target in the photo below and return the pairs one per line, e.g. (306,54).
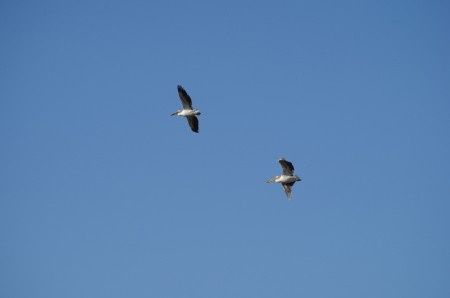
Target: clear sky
(103,194)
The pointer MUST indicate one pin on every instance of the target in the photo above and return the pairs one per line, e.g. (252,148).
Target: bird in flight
(287,178)
(187,111)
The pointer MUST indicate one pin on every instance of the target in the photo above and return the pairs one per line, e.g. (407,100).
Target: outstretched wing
(193,123)
(185,98)
(288,168)
(288,189)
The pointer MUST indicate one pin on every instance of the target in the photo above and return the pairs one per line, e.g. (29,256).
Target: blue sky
(103,194)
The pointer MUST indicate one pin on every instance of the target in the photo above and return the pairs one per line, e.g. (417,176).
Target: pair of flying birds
(287,178)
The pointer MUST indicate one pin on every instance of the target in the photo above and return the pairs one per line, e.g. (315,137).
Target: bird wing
(288,189)
(185,98)
(193,123)
(288,167)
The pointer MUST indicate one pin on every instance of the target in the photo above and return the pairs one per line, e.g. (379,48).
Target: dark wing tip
(193,123)
(185,98)
(286,165)
(287,189)
(290,165)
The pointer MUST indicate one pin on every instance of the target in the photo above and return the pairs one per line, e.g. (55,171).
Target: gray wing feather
(288,167)
(287,189)
(193,123)
(185,98)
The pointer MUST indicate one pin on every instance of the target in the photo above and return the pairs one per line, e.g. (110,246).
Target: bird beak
(173,114)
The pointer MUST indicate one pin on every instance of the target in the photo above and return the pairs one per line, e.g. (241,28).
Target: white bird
(287,178)
(188,111)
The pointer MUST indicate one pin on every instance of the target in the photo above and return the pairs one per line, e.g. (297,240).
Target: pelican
(287,178)
(187,111)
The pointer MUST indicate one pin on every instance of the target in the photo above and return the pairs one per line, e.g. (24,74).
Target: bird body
(287,179)
(187,111)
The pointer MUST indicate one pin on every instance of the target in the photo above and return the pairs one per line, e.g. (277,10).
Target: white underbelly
(186,113)
(285,179)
